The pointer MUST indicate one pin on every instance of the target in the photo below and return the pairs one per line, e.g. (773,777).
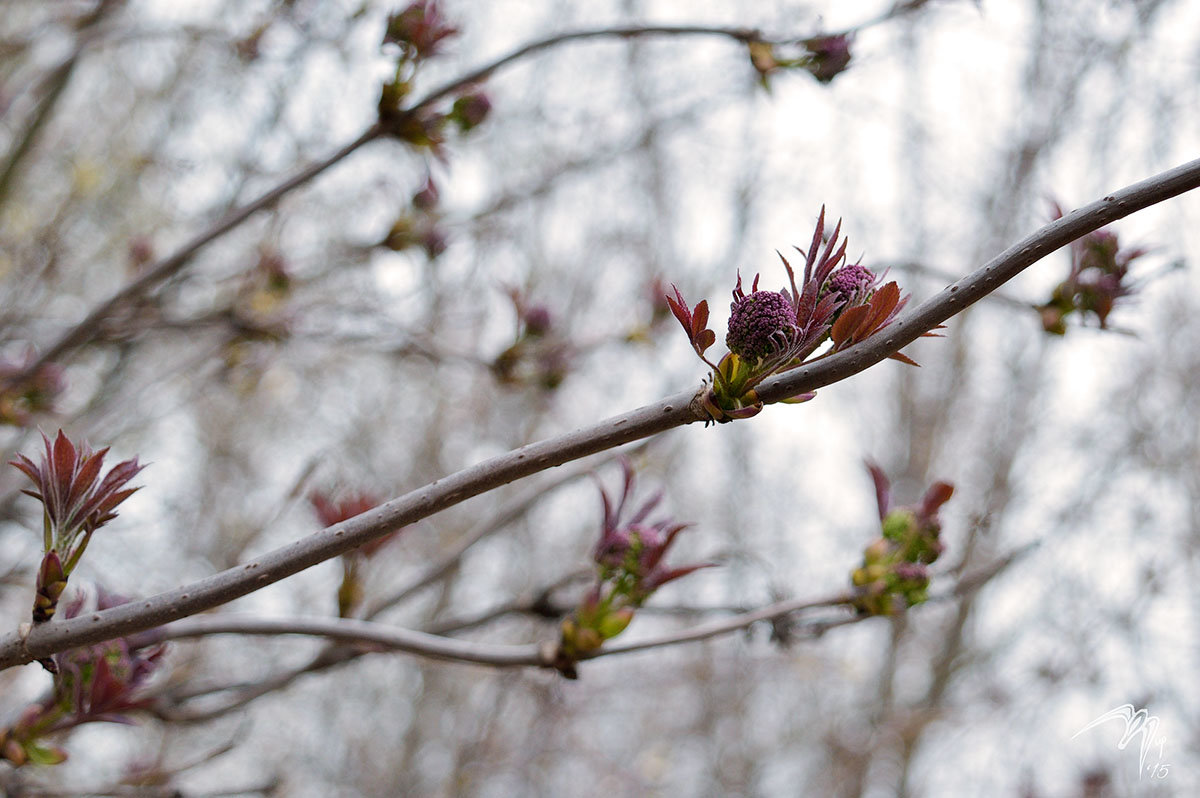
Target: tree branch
(169,266)
(349,630)
(743,35)
(674,411)
(54,85)
(727,625)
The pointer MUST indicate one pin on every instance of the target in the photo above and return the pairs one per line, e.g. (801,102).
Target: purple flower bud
(852,283)
(828,56)
(419,29)
(760,324)
(434,242)
(427,197)
(537,319)
(470,110)
(141,251)
(911,572)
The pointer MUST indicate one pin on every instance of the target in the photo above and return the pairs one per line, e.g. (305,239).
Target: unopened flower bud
(426,198)
(537,320)
(828,56)
(760,323)
(470,110)
(615,622)
(851,283)
(877,551)
(899,525)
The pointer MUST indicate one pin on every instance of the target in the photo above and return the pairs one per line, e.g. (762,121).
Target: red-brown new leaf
(883,305)
(700,319)
(903,358)
(847,324)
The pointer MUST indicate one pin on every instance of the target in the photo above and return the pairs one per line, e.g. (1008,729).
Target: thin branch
(946,276)
(378,635)
(169,266)
(337,654)
(87,329)
(133,791)
(744,35)
(542,604)
(726,625)
(350,630)
(976,580)
(25,645)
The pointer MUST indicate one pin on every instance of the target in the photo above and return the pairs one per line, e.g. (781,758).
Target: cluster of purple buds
(630,567)
(852,284)
(420,32)
(773,331)
(1097,280)
(469,110)
(761,323)
(828,56)
(540,355)
(895,574)
(823,57)
(419,226)
(260,312)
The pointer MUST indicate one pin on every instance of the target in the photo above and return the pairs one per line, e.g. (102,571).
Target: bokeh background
(296,354)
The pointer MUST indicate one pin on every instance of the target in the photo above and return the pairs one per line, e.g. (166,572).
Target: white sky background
(908,147)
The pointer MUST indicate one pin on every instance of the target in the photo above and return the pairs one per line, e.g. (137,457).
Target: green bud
(877,552)
(614,623)
(45,754)
(899,525)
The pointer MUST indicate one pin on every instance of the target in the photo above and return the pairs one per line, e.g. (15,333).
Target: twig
(339,653)
(371,637)
(369,633)
(351,630)
(727,625)
(674,411)
(946,276)
(166,268)
(745,35)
